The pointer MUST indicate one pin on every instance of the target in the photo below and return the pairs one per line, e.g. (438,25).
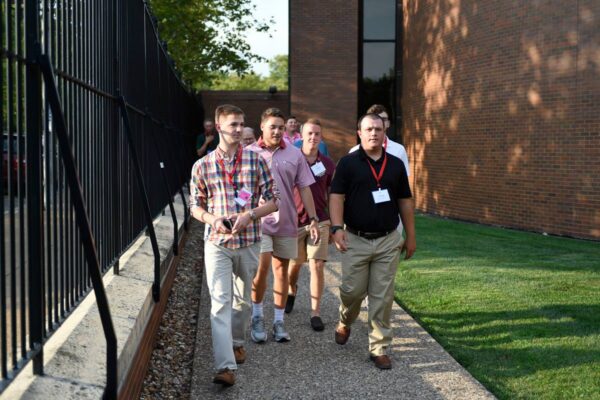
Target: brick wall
(252,102)
(324,67)
(501,105)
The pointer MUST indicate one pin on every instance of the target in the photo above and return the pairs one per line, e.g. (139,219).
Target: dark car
(17,169)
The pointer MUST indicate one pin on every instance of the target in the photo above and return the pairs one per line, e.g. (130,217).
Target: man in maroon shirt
(322,169)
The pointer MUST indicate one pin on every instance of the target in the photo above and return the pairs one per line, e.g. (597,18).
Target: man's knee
(349,294)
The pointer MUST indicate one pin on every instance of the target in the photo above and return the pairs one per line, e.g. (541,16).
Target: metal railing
(92,153)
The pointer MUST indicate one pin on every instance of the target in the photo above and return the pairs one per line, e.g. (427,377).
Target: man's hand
(315,235)
(409,246)
(209,139)
(241,222)
(341,240)
(218,225)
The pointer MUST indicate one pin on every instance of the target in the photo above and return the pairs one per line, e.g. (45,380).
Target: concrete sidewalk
(313,366)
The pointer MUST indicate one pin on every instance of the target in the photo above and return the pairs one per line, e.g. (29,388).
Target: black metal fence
(85,84)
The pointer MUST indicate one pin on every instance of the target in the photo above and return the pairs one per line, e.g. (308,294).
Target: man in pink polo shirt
(292,130)
(279,243)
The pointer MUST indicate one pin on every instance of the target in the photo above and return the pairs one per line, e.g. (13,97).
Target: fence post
(116,199)
(167,187)
(145,203)
(33,101)
(83,225)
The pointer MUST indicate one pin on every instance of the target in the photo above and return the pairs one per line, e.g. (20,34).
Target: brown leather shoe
(240,354)
(342,333)
(382,362)
(224,377)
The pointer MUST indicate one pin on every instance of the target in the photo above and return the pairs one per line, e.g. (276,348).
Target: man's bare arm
(407,213)
(336,214)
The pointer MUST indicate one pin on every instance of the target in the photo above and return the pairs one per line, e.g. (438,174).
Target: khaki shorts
(280,246)
(309,251)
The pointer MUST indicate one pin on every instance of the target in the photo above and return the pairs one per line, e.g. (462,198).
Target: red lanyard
(238,159)
(375,175)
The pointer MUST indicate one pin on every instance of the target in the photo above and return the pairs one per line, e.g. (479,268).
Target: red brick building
(253,102)
(497,103)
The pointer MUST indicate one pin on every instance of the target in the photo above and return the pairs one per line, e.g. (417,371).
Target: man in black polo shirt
(369,189)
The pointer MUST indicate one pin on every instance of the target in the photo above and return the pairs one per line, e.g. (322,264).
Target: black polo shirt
(354,179)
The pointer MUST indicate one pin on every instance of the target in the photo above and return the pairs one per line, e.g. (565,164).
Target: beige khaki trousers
(369,269)
(229,275)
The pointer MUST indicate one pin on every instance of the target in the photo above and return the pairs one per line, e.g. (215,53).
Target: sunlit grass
(520,311)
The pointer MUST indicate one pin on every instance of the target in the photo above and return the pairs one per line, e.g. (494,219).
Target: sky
(261,43)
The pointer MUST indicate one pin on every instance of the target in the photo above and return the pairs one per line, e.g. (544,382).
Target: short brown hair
(369,115)
(271,112)
(377,109)
(313,121)
(227,109)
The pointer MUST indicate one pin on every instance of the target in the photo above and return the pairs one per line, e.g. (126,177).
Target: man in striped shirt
(225,188)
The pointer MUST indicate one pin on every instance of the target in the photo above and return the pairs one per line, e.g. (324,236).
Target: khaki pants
(369,268)
(229,275)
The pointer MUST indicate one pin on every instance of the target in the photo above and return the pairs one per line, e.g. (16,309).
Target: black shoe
(317,323)
(289,304)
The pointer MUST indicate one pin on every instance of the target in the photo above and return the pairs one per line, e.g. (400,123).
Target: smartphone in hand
(228,224)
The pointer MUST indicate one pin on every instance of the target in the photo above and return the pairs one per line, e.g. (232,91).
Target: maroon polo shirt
(319,190)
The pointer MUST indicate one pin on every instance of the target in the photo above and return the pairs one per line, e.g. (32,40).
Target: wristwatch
(253,216)
(335,228)
(315,218)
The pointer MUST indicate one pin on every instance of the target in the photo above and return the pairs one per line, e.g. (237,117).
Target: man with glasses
(248,136)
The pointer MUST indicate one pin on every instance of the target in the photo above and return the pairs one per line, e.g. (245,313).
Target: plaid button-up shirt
(210,188)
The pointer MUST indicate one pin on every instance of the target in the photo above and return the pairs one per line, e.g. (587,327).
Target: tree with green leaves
(278,72)
(206,38)
(278,76)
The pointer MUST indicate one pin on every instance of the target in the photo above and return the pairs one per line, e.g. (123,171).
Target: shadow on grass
(461,242)
(518,343)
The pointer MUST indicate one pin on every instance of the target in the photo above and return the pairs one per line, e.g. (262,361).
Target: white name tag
(243,197)
(381,196)
(318,169)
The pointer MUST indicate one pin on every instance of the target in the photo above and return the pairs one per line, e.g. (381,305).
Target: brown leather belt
(368,235)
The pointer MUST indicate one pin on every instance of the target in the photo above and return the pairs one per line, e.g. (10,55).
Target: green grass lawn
(520,311)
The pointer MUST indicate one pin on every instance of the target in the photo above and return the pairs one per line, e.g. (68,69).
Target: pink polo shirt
(289,170)
(291,139)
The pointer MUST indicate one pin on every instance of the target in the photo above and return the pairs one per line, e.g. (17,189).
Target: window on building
(379,20)
(377,79)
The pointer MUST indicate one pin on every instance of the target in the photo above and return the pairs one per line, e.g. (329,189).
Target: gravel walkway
(170,370)
(313,366)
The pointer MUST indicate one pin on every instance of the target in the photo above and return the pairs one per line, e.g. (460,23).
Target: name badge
(243,197)
(381,196)
(318,169)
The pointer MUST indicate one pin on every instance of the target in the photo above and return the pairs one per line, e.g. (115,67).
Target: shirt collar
(363,155)
(316,159)
(220,153)
(262,144)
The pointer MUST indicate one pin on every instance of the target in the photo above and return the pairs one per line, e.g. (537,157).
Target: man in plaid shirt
(225,188)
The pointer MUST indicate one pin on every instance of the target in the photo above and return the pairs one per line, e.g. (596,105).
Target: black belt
(368,235)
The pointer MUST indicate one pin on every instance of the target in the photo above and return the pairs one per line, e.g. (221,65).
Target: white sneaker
(279,333)
(257,333)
